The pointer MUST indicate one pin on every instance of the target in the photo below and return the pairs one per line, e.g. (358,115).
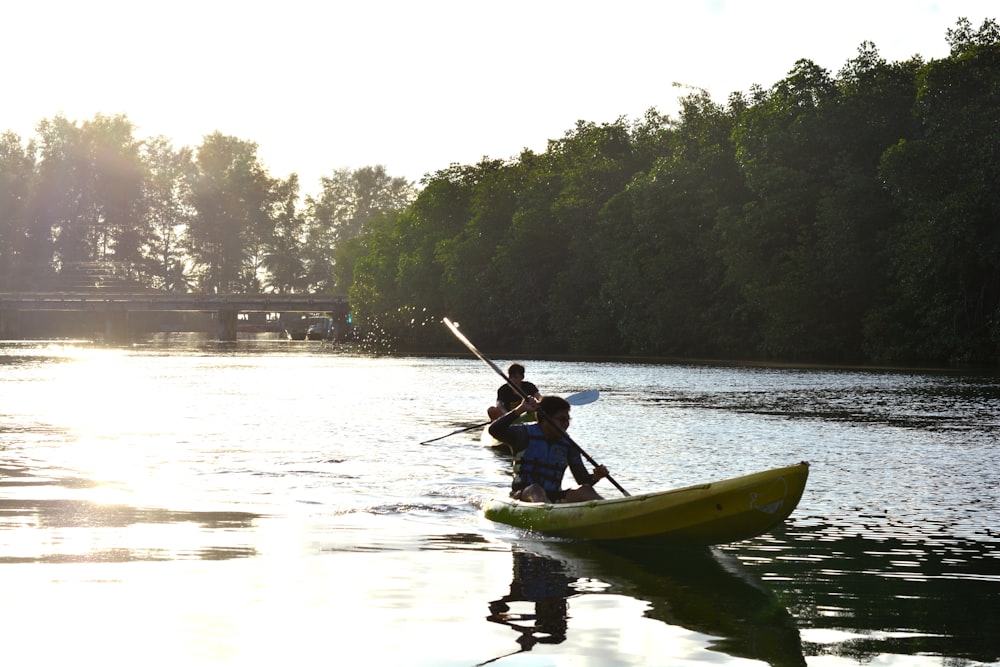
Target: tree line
(836,218)
(848,218)
(209,219)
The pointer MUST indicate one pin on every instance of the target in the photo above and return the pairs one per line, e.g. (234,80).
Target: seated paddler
(508,397)
(542,452)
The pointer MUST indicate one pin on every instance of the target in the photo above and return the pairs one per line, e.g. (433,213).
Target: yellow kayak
(703,514)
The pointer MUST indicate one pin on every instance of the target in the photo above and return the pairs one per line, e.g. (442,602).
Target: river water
(182,502)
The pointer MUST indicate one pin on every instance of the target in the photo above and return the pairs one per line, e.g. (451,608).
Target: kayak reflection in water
(542,453)
(544,582)
(704,591)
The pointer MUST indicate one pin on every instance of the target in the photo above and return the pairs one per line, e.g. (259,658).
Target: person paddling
(507,397)
(542,454)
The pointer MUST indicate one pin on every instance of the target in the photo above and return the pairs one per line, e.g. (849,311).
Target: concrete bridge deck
(116,306)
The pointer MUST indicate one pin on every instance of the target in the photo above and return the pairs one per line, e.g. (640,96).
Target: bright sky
(416,85)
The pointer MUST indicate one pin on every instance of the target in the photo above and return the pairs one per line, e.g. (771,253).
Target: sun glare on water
(114,414)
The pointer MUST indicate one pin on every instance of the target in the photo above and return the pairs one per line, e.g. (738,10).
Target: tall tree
(65,193)
(90,191)
(666,286)
(17,169)
(855,213)
(947,256)
(771,250)
(231,194)
(348,200)
(169,208)
(595,162)
(476,284)
(118,172)
(285,256)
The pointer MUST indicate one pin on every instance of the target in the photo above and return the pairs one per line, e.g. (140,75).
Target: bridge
(115,308)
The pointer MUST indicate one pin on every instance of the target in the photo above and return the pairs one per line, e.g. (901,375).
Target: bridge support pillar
(225,324)
(10,324)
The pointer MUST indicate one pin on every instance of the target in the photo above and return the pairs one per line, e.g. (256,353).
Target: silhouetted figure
(544,582)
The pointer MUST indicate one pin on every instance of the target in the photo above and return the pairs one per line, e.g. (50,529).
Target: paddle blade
(583,398)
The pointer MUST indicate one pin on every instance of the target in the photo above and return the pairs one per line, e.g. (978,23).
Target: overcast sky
(416,85)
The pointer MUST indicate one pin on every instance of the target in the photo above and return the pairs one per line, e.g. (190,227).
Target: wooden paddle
(520,392)
(580,398)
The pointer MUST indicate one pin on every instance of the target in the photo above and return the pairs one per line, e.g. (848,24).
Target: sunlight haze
(416,86)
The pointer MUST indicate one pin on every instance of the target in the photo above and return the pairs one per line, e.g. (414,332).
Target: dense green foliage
(831,218)
(211,219)
(846,218)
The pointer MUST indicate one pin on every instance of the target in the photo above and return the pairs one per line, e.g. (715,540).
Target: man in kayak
(542,453)
(507,398)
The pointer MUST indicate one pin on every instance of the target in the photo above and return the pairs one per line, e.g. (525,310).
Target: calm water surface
(194,503)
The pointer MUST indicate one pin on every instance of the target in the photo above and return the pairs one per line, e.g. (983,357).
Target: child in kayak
(542,453)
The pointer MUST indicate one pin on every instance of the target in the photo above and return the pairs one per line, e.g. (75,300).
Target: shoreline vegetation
(846,219)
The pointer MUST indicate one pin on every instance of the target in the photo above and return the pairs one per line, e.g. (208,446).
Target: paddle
(580,398)
(520,392)
(583,397)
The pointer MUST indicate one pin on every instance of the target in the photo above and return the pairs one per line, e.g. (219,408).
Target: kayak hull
(720,512)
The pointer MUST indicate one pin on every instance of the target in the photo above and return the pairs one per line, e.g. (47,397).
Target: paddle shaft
(520,392)
(581,398)
(461,430)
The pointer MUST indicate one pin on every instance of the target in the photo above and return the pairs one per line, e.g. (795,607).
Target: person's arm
(580,473)
(502,429)
(579,470)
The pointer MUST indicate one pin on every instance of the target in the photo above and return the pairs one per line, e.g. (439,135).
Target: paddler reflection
(705,591)
(536,606)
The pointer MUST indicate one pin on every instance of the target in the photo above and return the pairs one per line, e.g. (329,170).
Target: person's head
(557,408)
(516,372)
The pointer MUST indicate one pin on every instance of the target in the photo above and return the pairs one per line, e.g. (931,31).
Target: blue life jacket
(541,462)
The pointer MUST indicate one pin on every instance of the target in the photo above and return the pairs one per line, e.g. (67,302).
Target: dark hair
(515,369)
(550,405)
